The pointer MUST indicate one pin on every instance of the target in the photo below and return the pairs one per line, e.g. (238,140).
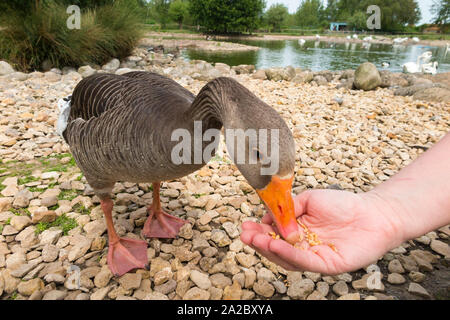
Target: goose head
(262,146)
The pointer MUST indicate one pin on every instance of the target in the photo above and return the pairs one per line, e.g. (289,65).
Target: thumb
(300,202)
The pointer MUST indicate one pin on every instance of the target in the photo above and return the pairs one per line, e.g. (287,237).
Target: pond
(319,55)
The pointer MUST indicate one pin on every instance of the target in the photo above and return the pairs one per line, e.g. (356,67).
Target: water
(319,56)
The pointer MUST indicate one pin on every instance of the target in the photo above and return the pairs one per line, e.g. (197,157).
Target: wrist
(394,214)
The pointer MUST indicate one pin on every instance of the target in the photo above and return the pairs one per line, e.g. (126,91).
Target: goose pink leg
(160,224)
(124,254)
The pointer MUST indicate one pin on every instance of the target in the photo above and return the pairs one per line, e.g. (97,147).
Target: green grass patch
(20,212)
(26,180)
(30,37)
(68,195)
(79,208)
(63,222)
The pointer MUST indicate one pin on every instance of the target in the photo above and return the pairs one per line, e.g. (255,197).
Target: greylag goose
(119,128)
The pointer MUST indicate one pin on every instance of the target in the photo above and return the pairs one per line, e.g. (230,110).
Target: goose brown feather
(120,127)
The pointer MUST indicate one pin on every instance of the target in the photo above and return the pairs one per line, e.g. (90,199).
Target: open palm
(357,225)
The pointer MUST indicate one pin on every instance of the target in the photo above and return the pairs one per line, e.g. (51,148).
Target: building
(338,26)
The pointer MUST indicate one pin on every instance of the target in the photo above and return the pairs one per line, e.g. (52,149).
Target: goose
(317,37)
(415,39)
(355,36)
(301,42)
(369,38)
(385,64)
(120,128)
(349,38)
(430,68)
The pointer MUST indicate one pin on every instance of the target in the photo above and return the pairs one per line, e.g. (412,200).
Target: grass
(30,38)
(63,222)
(79,208)
(68,195)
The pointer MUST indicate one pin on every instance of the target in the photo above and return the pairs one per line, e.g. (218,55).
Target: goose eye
(258,155)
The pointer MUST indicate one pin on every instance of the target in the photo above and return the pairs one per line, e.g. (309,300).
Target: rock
(82,245)
(340,288)
(440,247)
(102,278)
(162,276)
(123,71)
(10,282)
(417,289)
(22,199)
(186,232)
(43,216)
(396,278)
(49,201)
(95,229)
(167,287)
(100,294)
(160,296)
(350,296)
(244,69)
(233,292)
(15,260)
(196,294)
(86,71)
(10,191)
(277,74)
(433,94)
(263,288)
(201,280)
(112,65)
(260,74)
(395,266)
(20,222)
(301,289)
(246,260)
(367,77)
(5,204)
(220,237)
(320,80)
(50,236)
(28,287)
(323,288)
(265,274)
(55,295)
(231,229)
(416,276)
(5,68)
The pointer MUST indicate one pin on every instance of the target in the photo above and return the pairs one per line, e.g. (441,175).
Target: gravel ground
(53,241)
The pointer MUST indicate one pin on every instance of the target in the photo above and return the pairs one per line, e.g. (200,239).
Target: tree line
(246,15)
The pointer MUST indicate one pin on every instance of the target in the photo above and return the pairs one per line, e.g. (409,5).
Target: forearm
(419,195)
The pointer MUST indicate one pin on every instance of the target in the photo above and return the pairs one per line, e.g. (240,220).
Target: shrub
(30,37)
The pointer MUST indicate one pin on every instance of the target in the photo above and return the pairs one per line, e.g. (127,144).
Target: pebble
(417,289)
(201,280)
(396,278)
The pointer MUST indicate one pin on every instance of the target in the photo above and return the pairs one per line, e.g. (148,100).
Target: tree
(178,11)
(332,10)
(441,11)
(395,15)
(160,10)
(276,16)
(228,16)
(310,14)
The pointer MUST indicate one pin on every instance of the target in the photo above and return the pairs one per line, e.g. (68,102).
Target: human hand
(362,227)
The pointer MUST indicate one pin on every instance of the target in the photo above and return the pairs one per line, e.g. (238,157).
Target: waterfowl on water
(119,128)
(430,68)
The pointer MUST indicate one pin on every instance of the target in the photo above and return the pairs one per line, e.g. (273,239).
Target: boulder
(86,71)
(303,77)
(367,77)
(433,94)
(5,68)
(277,74)
(244,69)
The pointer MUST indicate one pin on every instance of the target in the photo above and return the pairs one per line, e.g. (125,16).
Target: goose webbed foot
(162,225)
(127,254)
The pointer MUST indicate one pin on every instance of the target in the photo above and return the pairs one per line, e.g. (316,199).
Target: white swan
(368,38)
(400,40)
(301,42)
(385,64)
(426,56)
(413,67)
(317,37)
(430,68)
(415,39)
(355,36)
(349,38)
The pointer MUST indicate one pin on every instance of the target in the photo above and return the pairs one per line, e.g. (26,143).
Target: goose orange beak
(277,197)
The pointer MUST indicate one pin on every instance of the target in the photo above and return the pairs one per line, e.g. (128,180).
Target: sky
(425,6)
